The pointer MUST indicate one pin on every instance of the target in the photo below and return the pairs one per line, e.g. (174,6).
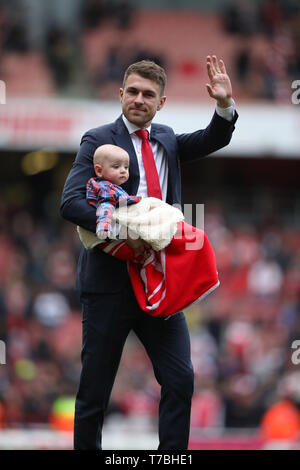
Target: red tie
(152,179)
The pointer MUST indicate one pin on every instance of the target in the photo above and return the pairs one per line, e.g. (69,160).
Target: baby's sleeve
(92,191)
(106,204)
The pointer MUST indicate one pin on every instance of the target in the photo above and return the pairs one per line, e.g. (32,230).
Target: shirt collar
(132,127)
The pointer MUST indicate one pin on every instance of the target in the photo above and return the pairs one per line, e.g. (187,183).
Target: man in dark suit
(110,310)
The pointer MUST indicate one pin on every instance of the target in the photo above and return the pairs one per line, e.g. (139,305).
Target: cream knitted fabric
(151,219)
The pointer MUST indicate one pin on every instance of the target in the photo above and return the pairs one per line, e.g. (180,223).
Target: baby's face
(115,169)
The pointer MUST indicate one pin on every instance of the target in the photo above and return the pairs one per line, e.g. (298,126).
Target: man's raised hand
(219,87)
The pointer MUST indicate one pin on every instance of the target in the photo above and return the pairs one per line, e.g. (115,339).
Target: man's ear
(161,102)
(121,93)
(98,170)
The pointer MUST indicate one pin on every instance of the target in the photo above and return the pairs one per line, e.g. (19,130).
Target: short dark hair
(148,69)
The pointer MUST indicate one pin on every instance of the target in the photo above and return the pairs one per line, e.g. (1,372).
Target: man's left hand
(219,87)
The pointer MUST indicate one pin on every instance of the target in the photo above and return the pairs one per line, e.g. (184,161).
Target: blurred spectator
(123,12)
(242,63)
(93,13)
(265,278)
(276,65)
(120,54)
(148,54)
(14,32)
(281,420)
(290,8)
(51,308)
(108,77)
(207,408)
(240,17)
(271,16)
(60,55)
(242,401)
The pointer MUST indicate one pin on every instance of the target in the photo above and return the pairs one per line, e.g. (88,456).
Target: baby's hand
(103,234)
(138,245)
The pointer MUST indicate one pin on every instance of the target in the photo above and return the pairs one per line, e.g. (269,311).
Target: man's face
(140,100)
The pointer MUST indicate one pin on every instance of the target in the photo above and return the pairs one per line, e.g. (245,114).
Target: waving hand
(219,87)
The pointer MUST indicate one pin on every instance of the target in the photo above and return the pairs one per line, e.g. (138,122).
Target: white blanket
(151,219)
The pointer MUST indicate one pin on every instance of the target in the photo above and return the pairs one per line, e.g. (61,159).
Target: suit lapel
(122,139)
(162,136)
(159,134)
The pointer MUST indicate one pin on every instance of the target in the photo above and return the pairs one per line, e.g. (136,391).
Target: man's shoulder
(163,133)
(158,127)
(103,131)
(100,130)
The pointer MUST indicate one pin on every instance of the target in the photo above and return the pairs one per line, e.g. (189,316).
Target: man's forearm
(74,206)
(79,212)
(203,142)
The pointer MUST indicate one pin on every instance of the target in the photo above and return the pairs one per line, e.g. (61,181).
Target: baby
(111,164)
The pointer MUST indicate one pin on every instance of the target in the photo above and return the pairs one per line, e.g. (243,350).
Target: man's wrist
(226,103)
(228,112)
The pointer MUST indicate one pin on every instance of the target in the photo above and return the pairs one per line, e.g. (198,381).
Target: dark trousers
(107,321)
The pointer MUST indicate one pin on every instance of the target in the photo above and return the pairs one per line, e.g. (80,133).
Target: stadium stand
(179,40)
(27,75)
(177,37)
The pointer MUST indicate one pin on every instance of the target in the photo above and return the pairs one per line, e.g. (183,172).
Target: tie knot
(142,134)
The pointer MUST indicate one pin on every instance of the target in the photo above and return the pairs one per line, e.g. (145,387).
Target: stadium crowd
(267,58)
(265,52)
(241,335)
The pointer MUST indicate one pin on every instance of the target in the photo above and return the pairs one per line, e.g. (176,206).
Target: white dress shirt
(159,158)
(159,153)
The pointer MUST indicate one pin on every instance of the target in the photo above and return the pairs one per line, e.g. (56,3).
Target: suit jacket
(97,271)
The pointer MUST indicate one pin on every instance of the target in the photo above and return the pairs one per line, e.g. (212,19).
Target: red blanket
(167,281)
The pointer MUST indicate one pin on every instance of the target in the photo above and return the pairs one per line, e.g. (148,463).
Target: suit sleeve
(74,206)
(203,142)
